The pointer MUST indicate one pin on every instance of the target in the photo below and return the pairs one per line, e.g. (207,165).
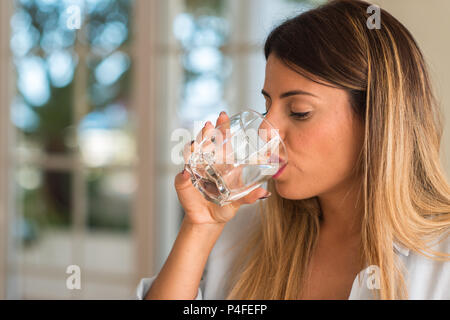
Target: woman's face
(323,145)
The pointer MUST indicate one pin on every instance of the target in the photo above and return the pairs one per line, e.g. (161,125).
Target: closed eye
(300,115)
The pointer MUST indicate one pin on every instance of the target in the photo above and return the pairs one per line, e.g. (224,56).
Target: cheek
(322,156)
(325,149)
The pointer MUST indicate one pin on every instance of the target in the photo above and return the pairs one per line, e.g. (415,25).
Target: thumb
(252,197)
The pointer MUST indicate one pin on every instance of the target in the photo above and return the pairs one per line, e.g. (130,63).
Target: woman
(362,210)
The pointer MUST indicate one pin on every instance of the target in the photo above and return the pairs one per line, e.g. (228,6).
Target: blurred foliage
(56,115)
(105,211)
(100,96)
(54,118)
(207,7)
(117,10)
(50,203)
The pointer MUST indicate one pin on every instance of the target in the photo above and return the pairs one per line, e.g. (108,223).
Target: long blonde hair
(404,190)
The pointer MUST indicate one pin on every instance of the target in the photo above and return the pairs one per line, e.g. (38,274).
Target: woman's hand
(199,210)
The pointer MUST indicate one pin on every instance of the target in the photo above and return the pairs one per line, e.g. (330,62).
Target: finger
(208,126)
(214,136)
(187,150)
(183,180)
(208,133)
(257,194)
(234,180)
(224,122)
(201,134)
(223,117)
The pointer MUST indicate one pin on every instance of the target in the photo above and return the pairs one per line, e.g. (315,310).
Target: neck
(341,212)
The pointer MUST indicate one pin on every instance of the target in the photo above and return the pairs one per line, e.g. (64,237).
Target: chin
(290,192)
(285,191)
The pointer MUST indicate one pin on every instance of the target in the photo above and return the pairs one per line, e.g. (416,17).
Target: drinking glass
(232,160)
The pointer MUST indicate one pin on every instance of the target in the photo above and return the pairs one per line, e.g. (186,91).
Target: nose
(273,125)
(269,129)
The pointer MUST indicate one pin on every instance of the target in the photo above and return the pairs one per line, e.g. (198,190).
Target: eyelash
(300,116)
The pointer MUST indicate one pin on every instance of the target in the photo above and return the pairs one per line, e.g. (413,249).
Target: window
(90,178)
(74,146)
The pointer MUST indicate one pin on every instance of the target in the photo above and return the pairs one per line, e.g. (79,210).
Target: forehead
(278,74)
(281,78)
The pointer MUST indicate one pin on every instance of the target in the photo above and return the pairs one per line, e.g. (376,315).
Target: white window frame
(6,81)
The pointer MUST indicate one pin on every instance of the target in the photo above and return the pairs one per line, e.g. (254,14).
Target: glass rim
(258,115)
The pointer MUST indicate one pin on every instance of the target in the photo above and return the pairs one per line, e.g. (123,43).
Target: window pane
(106,134)
(46,198)
(75,148)
(109,79)
(108,25)
(43,229)
(45,63)
(109,253)
(110,199)
(202,30)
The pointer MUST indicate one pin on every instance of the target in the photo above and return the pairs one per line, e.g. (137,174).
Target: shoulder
(429,278)
(225,249)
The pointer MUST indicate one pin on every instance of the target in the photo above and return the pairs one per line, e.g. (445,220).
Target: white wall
(428,21)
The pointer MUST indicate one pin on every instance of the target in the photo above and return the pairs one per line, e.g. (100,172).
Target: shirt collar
(401,249)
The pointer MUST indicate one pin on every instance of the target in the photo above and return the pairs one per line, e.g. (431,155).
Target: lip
(279,172)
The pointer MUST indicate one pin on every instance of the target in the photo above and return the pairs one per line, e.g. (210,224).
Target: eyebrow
(291,93)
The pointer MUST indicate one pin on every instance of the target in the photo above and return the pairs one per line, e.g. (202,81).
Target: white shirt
(426,279)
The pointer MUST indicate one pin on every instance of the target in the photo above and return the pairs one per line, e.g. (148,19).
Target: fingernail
(266,196)
(185,174)
(222,113)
